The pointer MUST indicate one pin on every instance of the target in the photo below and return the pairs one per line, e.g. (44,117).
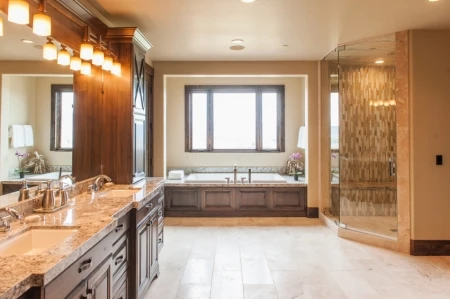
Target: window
(235,118)
(61,136)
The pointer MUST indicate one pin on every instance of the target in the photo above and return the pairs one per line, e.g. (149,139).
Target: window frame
(55,130)
(258,90)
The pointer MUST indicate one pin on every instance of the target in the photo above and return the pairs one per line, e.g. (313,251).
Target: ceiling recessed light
(248,1)
(237,41)
(379,61)
(237,48)
(39,47)
(285,46)
(27,41)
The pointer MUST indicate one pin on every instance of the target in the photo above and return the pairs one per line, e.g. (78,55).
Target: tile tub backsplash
(241,169)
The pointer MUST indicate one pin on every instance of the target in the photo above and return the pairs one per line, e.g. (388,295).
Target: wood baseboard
(430,247)
(312,213)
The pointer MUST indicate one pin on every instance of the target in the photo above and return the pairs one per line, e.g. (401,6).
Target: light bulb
(375,104)
(107,63)
(75,63)
(1,26)
(42,24)
(50,51)
(392,102)
(86,51)
(116,69)
(98,57)
(19,12)
(386,103)
(63,57)
(86,68)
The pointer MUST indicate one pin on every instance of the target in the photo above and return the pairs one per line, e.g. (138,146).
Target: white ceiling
(11,46)
(203,29)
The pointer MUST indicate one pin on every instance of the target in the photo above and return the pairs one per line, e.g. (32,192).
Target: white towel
(17,134)
(29,139)
(176,175)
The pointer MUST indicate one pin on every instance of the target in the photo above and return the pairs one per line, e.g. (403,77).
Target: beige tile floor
(286,258)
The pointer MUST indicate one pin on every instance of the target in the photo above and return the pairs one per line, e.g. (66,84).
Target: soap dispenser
(48,201)
(24,192)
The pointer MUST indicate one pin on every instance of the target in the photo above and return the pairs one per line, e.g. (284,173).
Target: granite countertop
(35,178)
(290,182)
(93,218)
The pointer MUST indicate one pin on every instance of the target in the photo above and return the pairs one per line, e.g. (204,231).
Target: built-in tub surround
(93,218)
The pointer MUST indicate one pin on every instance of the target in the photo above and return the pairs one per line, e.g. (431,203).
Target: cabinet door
(79,292)
(139,100)
(99,285)
(153,243)
(143,254)
(139,146)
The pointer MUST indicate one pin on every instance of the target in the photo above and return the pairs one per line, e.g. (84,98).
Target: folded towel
(29,139)
(17,134)
(176,174)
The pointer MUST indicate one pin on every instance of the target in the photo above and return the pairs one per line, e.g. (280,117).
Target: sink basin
(34,241)
(119,193)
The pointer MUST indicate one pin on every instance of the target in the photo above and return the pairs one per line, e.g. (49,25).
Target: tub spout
(235,174)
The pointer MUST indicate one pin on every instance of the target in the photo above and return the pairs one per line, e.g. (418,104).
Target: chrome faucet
(4,224)
(98,182)
(63,193)
(24,192)
(235,174)
(249,175)
(66,176)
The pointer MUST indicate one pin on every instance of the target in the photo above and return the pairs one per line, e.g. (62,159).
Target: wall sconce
(75,63)
(86,49)
(50,51)
(42,24)
(19,12)
(108,63)
(63,56)
(86,68)
(1,26)
(116,69)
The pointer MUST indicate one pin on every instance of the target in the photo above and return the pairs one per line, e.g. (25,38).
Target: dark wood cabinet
(99,285)
(139,146)
(183,199)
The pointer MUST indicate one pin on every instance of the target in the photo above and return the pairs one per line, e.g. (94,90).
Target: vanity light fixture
(379,61)
(116,69)
(19,12)
(1,26)
(42,24)
(75,63)
(98,56)
(86,68)
(63,56)
(50,50)
(108,63)
(86,49)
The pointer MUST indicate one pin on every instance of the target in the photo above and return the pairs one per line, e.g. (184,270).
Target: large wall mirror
(36,118)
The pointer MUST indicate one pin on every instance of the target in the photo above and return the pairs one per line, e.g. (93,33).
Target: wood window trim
(259,89)
(55,142)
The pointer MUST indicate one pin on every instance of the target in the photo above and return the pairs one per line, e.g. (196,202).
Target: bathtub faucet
(249,175)
(235,174)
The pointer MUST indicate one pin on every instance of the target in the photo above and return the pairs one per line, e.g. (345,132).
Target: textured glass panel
(234,121)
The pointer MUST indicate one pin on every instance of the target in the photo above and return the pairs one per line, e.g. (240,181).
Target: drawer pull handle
(118,260)
(149,206)
(159,213)
(119,227)
(85,265)
(160,240)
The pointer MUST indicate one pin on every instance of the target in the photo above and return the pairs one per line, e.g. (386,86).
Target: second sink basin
(34,241)
(119,193)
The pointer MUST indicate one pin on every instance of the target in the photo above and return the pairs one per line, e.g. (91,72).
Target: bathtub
(219,178)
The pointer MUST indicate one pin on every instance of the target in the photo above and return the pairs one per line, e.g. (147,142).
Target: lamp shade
(18,12)
(107,63)
(302,138)
(42,25)
(86,51)
(50,51)
(75,63)
(63,57)
(86,68)
(116,69)
(1,26)
(98,57)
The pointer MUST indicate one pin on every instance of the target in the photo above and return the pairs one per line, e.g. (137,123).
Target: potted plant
(295,165)
(296,175)
(20,158)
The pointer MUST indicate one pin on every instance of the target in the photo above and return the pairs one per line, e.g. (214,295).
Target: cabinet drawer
(160,214)
(120,258)
(61,286)
(122,227)
(120,286)
(146,210)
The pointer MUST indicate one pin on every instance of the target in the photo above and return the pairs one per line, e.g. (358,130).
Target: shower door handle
(391,166)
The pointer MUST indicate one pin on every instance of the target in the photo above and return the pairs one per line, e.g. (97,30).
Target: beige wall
(43,120)
(294,118)
(17,108)
(430,121)
(308,68)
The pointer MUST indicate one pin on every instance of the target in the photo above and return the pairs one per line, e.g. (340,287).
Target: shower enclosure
(362,103)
